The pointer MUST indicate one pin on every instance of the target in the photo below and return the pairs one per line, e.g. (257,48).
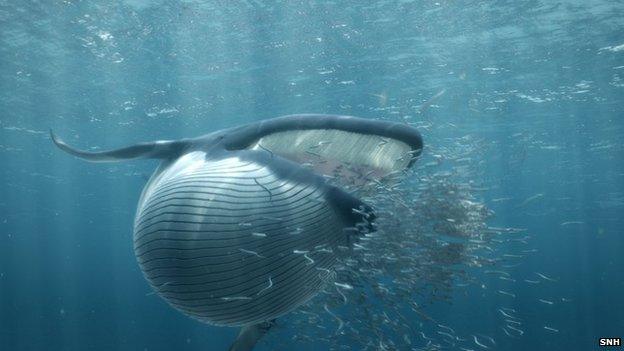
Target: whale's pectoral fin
(249,336)
(357,217)
(347,148)
(155,149)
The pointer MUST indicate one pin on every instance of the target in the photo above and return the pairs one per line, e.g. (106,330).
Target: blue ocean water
(522,98)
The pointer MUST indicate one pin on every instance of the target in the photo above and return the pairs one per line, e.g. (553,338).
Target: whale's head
(240,226)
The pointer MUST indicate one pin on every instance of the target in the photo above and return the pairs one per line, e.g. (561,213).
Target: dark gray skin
(237,140)
(249,336)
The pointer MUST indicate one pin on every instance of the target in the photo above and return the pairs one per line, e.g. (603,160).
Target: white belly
(230,243)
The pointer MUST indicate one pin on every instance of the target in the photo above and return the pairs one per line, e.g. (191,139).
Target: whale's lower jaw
(228,242)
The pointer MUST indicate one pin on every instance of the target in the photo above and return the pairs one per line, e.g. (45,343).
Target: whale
(240,226)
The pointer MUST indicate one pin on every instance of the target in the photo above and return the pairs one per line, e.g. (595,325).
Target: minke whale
(240,226)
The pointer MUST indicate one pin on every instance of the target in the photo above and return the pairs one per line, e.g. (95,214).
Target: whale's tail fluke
(156,149)
(249,336)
